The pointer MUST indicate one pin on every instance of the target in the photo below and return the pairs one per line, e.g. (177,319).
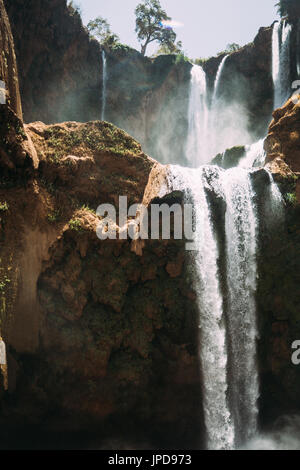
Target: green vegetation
(86,207)
(96,136)
(4,206)
(230,48)
(54,216)
(99,29)
(3,284)
(181,58)
(75,225)
(149,27)
(290,8)
(291,199)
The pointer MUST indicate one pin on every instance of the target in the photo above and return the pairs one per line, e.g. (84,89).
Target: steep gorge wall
(59,65)
(92,336)
(61,79)
(247,80)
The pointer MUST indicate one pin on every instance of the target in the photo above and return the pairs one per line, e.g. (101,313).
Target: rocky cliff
(61,79)
(102,335)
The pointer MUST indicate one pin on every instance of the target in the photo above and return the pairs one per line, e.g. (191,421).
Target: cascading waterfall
(226,300)
(104,83)
(227,321)
(214,126)
(196,147)
(281,62)
(240,229)
(212,333)
(227,330)
(255,155)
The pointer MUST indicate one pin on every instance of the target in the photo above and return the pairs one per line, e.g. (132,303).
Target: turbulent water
(255,155)
(104,83)
(281,62)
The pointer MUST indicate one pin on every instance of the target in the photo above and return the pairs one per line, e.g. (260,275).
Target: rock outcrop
(247,80)
(88,318)
(61,79)
(59,65)
(8,66)
(16,149)
(278,288)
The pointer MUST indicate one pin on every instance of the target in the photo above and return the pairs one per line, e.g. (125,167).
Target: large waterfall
(223,270)
(104,83)
(227,310)
(213,124)
(281,62)
(197,142)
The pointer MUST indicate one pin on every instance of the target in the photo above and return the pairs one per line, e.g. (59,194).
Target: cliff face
(88,318)
(8,66)
(247,80)
(61,80)
(104,333)
(278,293)
(16,150)
(59,66)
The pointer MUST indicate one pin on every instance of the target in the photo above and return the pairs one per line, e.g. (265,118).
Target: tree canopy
(99,28)
(290,8)
(150,27)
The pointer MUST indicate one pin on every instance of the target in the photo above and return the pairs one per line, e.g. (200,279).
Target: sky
(207,25)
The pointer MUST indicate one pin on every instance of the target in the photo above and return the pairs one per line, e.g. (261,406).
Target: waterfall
(227,325)
(104,82)
(206,277)
(298,49)
(197,141)
(240,229)
(255,155)
(281,62)
(218,80)
(215,127)
(226,299)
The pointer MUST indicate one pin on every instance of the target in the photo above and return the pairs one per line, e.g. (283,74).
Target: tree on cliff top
(150,27)
(290,8)
(100,29)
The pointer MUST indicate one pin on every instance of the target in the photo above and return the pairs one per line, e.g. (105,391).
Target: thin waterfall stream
(104,84)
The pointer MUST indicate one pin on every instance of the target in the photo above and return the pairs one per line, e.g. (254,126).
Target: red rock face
(283,139)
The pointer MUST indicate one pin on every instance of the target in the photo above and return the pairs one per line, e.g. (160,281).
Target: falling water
(255,155)
(227,328)
(281,62)
(206,277)
(104,82)
(298,48)
(226,300)
(196,148)
(218,80)
(240,228)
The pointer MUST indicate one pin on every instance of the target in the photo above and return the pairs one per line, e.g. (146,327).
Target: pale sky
(208,25)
